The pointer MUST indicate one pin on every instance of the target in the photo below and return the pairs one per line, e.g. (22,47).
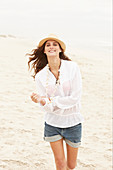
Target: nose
(51,46)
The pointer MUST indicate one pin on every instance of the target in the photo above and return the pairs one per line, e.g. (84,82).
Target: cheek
(58,49)
(45,50)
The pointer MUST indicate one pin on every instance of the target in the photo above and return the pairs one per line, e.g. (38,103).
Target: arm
(40,97)
(66,102)
(74,98)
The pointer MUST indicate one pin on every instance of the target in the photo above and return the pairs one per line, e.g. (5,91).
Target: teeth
(51,51)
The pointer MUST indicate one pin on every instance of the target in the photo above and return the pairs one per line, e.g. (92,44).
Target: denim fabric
(71,135)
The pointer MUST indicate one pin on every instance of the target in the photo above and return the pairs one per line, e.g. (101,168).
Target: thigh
(58,149)
(71,156)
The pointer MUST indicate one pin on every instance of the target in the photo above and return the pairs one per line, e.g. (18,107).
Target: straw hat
(52,37)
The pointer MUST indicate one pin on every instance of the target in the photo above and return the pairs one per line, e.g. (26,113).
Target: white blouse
(64,111)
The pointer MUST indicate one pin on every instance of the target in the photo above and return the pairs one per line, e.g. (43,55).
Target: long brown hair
(38,59)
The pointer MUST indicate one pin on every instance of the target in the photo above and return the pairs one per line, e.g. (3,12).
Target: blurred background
(82,24)
(86,28)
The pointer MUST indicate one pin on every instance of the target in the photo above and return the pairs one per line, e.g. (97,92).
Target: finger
(33,95)
(34,99)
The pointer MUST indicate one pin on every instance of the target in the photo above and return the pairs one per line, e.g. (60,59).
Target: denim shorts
(71,135)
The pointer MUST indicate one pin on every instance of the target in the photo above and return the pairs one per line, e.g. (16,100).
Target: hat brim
(63,46)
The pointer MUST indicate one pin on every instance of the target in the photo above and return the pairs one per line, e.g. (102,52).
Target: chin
(52,55)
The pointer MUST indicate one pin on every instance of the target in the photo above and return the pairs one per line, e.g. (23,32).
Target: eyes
(52,44)
(49,44)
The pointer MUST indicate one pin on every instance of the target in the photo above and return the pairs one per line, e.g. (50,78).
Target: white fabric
(64,111)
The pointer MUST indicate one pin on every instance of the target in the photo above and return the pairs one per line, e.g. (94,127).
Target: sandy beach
(21,121)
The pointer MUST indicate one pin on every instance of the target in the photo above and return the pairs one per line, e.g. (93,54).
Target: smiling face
(52,48)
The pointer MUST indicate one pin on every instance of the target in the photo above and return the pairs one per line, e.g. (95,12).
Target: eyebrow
(53,42)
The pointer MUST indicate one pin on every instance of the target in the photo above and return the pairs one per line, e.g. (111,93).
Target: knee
(60,163)
(71,166)
(70,169)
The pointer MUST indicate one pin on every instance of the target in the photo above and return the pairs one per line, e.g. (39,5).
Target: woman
(59,86)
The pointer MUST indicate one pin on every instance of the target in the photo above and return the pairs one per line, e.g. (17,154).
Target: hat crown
(52,36)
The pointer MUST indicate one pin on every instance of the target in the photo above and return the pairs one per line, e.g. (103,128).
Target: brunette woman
(59,86)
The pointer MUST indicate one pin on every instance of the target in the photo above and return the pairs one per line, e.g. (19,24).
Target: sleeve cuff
(48,107)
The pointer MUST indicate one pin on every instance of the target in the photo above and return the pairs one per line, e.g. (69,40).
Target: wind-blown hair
(38,59)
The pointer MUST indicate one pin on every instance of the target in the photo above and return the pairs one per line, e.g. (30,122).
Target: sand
(21,121)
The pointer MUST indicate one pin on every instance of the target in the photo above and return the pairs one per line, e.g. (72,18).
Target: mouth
(52,51)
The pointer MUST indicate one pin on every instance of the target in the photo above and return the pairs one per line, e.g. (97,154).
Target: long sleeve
(64,109)
(63,102)
(74,98)
(41,91)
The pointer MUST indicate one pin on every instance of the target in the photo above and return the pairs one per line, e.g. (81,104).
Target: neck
(54,65)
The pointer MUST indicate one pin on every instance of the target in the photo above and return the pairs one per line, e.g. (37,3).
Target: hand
(38,99)
(35,97)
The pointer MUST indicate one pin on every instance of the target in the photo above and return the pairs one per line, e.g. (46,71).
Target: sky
(77,22)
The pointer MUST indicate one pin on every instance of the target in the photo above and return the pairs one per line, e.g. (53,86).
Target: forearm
(67,101)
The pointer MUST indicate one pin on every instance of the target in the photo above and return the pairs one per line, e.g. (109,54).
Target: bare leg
(59,155)
(70,169)
(71,157)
